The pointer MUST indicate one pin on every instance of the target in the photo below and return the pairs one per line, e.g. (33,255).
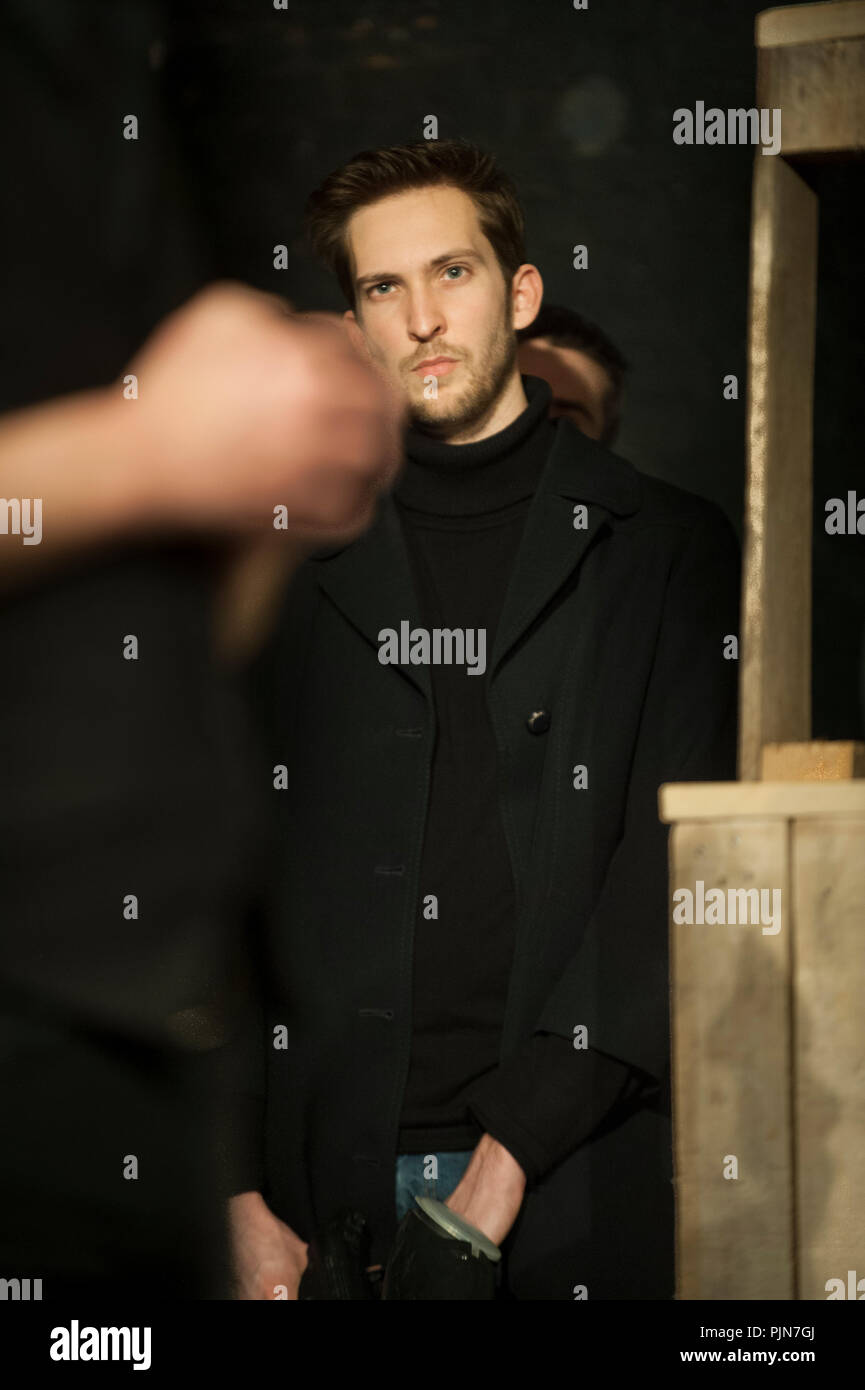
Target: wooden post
(811,68)
(775,653)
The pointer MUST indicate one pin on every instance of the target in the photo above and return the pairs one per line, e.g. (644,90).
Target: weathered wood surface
(681,801)
(775,652)
(731,1073)
(828,877)
(818,761)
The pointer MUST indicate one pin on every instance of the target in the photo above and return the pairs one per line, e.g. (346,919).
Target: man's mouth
(436,366)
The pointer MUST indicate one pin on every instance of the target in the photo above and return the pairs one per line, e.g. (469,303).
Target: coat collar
(370,580)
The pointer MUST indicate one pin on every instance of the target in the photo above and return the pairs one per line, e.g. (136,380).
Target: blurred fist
(244,407)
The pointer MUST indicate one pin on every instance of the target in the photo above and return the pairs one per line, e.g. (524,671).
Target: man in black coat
(467,714)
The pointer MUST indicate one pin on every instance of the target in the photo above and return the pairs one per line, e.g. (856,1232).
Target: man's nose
(425,317)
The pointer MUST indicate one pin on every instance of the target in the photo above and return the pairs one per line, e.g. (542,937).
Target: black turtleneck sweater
(463,508)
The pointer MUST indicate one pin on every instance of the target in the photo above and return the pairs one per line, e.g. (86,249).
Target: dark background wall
(245,108)
(838,584)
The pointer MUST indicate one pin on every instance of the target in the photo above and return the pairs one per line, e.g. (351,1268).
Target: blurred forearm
(68,459)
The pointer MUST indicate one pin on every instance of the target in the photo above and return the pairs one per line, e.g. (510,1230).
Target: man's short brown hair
(375,174)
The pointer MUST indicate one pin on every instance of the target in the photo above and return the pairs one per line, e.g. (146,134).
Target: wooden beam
(775,653)
(793,24)
(819,88)
(685,801)
(818,761)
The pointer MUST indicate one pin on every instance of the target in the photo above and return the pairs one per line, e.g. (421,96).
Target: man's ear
(527,290)
(355,334)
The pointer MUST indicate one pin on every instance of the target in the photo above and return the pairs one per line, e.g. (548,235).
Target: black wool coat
(616,629)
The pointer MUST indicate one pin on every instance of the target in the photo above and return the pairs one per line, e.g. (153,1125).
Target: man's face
(579,384)
(436,315)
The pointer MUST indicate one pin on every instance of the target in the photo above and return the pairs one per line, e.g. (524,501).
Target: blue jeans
(411,1183)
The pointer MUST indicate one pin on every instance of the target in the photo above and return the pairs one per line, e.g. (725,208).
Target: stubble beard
(452,413)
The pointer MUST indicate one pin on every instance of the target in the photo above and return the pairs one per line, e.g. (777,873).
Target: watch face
(458,1228)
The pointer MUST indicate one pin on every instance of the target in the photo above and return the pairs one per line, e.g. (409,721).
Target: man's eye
(384,284)
(459,268)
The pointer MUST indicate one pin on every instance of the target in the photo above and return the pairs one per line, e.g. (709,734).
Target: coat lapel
(370,582)
(578,471)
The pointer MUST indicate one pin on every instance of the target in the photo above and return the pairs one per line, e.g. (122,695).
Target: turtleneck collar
(491,473)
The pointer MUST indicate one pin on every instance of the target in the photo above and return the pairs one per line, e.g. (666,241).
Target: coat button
(538,722)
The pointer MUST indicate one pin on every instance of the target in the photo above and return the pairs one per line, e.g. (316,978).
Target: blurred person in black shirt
(127,818)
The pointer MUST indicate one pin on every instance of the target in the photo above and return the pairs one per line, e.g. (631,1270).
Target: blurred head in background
(585,370)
